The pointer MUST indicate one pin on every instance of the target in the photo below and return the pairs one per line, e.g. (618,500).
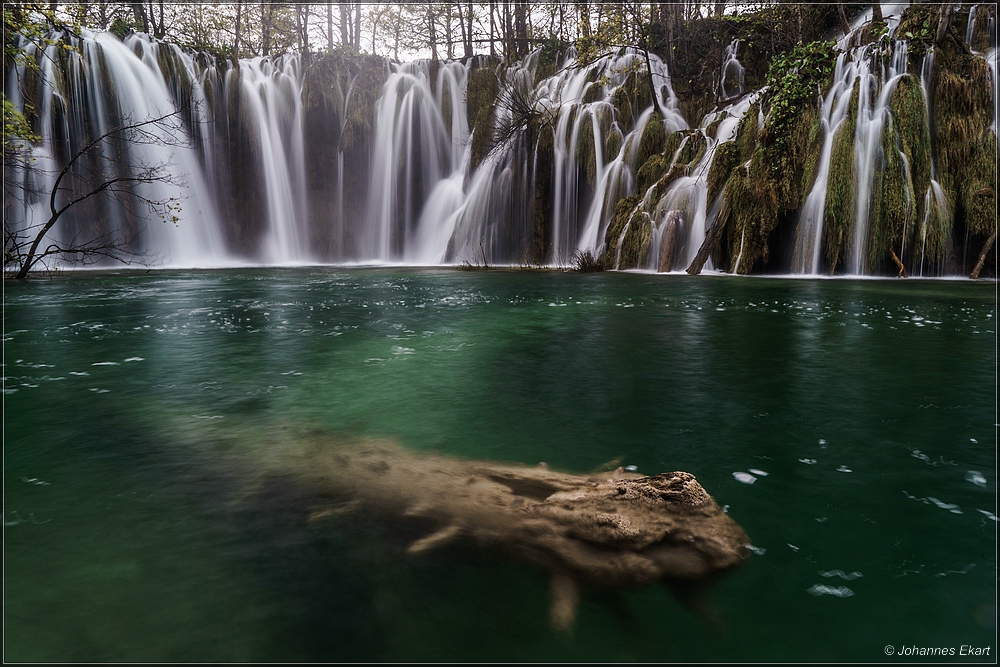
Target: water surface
(849,426)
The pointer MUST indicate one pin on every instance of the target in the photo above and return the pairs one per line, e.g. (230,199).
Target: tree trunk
(943,22)
(493,48)
(345,24)
(842,15)
(357,26)
(139,11)
(466,41)
(712,238)
(982,256)
(236,41)
(468,11)
(449,47)
(329,27)
(877,12)
(433,33)
(720,8)
(584,13)
(265,28)
(520,29)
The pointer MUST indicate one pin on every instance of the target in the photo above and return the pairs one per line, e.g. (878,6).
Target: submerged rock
(614,529)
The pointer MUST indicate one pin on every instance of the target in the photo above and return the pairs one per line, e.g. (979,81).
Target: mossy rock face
(841,191)
(892,214)
(635,244)
(909,116)
(652,140)
(624,209)
(981,37)
(726,158)
(586,157)
(672,143)
(753,209)
(480,97)
(963,112)
(712,128)
(630,99)
(612,143)
(979,188)
(651,171)
(694,148)
(748,133)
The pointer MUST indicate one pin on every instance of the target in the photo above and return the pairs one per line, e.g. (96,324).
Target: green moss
(963,110)
(653,138)
(891,213)
(726,158)
(909,116)
(612,143)
(841,202)
(651,171)
(630,99)
(672,143)
(748,133)
(586,158)
(752,200)
(693,149)
(624,209)
(979,187)
(635,244)
(713,127)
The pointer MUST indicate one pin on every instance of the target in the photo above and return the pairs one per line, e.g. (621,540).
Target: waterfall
(733,70)
(417,163)
(688,195)
(85,92)
(272,90)
(832,112)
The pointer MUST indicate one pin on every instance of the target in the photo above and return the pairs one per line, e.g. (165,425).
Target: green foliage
(917,25)
(794,80)
(16,128)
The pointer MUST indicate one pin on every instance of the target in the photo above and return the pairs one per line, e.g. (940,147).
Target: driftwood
(668,246)
(899,264)
(612,529)
(982,256)
(712,238)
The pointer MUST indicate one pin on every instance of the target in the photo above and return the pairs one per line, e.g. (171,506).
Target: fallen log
(712,238)
(613,529)
(899,264)
(982,256)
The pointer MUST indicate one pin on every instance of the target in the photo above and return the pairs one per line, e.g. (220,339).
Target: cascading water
(273,93)
(731,76)
(83,94)
(832,112)
(418,164)
(422,193)
(873,111)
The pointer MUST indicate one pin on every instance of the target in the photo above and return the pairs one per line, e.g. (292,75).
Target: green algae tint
(151,515)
